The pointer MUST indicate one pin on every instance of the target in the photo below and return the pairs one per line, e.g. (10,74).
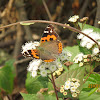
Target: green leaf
(38,96)
(86,26)
(85,96)
(93,79)
(29,96)
(33,85)
(7,76)
(76,73)
(23,23)
(74,50)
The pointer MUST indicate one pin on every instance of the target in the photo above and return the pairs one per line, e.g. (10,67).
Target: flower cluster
(88,43)
(73,18)
(58,72)
(71,86)
(82,59)
(66,55)
(37,66)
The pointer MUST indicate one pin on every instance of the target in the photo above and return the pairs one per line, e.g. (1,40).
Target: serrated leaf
(7,76)
(92,79)
(76,73)
(33,85)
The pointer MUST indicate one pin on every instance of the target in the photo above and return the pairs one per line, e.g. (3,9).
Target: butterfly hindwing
(50,50)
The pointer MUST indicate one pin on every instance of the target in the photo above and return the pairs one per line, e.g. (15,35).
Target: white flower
(67,86)
(73,18)
(34,73)
(47,65)
(61,69)
(95,50)
(69,54)
(80,64)
(63,57)
(52,68)
(99,42)
(89,45)
(84,56)
(59,65)
(87,31)
(83,43)
(73,89)
(58,72)
(80,36)
(98,22)
(29,46)
(78,91)
(34,64)
(42,67)
(73,79)
(43,73)
(74,94)
(77,83)
(78,57)
(72,83)
(75,60)
(87,42)
(67,83)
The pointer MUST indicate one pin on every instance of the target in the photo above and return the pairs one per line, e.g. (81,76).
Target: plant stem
(54,86)
(51,22)
(89,74)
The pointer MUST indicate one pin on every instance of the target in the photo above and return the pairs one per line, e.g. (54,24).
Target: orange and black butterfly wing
(34,53)
(49,34)
(50,44)
(50,51)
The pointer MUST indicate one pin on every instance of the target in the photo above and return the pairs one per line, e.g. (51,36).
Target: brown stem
(89,74)
(53,82)
(51,22)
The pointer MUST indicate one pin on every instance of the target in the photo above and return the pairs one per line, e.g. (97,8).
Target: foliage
(7,74)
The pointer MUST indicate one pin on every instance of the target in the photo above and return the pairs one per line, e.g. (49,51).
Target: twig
(53,82)
(84,8)
(22,61)
(8,32)
(89,74)
(47,10)
(23,16)
(19,41)
(51,22)
(7,43)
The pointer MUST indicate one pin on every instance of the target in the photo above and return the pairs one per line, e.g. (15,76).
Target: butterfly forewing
(50,46)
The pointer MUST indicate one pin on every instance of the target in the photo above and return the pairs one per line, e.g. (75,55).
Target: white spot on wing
(46,31)
(51,31)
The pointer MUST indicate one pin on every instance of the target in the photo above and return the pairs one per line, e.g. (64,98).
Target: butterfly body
(50,46)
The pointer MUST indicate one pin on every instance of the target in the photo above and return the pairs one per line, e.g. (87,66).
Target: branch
(53,82)
(51,22)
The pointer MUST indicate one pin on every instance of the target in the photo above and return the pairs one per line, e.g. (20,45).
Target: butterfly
(50,46)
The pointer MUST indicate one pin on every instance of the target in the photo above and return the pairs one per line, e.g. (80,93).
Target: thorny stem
(51,22)
(53,82)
